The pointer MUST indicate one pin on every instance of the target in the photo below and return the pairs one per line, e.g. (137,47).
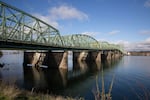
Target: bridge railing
(18,26)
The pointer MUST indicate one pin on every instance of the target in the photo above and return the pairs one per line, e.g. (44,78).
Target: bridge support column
(109,55)
(113,55)
(98,58)
(87,56)
(31,58)
(64,62)
(92,56)
(117,54)
(106,55)
(55,59)
(80,56)
(103,55)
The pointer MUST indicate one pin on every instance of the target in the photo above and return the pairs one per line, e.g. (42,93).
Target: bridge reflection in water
(78,80)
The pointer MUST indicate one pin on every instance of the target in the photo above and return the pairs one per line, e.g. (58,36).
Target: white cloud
(93,34)
(136,46)
(140,46)
(67,12)
(62,12)
(47,19)
(122,42)
(147,40)
(102,39)
(145,32)
(147,3)
(131,46)
(114,32)
(125,44)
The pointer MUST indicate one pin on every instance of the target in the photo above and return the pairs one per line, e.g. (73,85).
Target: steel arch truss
(16,25)
(107,46)
(81,41)
(21,28)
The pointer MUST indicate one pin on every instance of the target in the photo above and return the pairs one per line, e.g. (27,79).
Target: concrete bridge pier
(106,55)
(50,59)
(98,58)
(117,54)
(113,55)
(109,55)
(86,56)
(30,58)
(64,61)
(82,56)
(79,56)
(93,56)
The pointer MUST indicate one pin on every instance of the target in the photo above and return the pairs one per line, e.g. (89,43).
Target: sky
(125,22)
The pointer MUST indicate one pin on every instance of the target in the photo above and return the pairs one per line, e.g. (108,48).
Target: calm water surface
(131,77)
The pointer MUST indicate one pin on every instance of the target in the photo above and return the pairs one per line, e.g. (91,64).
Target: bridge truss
(81,41)
(20,28)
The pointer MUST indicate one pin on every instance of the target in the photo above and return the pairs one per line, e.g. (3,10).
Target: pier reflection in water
(131,73)
(77,81)
(101,94)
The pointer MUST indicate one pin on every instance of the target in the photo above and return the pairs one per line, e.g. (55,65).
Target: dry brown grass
(11,92)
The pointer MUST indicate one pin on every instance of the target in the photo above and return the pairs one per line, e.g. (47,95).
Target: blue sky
(124,22)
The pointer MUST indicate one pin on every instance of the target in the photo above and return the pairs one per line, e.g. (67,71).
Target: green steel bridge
(21,30)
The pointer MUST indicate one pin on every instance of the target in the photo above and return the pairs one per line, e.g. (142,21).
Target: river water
(129,77)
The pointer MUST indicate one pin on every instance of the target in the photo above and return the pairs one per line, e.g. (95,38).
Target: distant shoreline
(139,53)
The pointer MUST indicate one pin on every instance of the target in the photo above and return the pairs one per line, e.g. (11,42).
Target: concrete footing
(49,59)
(64,61)
(86,56)
(59,59)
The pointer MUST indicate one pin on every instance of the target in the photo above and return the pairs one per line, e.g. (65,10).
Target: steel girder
(107,46)
(18,26)
(87,42)
(21,27)
(81,41)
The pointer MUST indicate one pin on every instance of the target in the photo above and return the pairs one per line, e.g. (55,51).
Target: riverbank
(12,92)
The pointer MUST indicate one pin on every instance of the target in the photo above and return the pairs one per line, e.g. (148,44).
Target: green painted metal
(16,25)
(21,27)
(104,45)
(81,41)
(107,46)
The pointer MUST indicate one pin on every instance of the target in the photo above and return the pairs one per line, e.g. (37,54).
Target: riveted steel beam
(20,26)
(81,41)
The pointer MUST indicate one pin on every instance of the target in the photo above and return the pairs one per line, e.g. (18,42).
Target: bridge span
(20,30)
